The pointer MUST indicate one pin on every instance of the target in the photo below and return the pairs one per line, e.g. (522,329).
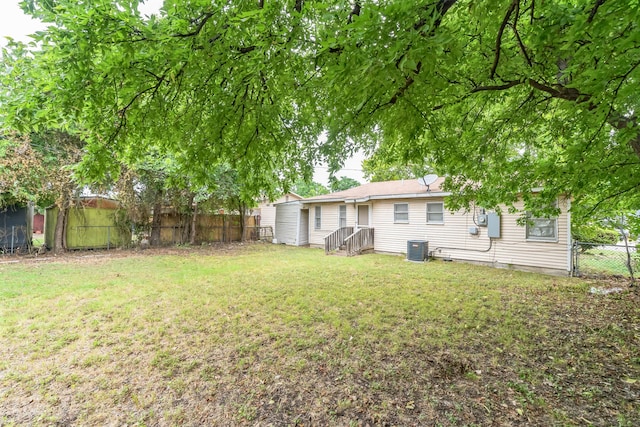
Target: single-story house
(404,216)
(92,223)
(15,228)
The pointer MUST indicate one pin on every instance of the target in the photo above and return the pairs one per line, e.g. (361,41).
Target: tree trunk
(59,237)
(629,261)
(194,221)
(156,222)
(241,210)
(186,220)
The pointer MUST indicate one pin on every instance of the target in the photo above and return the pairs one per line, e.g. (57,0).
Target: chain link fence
(14,239)
(595,259)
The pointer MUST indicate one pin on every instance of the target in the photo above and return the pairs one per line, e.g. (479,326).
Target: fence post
(574,256)
(108,237)
(13,227)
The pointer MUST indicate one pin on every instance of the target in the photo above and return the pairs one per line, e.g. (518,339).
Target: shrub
(591,235)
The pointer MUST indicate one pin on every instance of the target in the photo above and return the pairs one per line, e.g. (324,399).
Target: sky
(17,25)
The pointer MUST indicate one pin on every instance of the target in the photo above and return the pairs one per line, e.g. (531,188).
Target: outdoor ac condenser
(417,250)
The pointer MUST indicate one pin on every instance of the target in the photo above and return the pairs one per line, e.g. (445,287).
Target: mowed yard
(271,335)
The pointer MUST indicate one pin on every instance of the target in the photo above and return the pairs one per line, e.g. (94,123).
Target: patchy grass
(272,335)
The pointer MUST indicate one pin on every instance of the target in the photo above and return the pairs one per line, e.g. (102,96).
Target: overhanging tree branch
(594,10)
(205,17)
(505,21)
(505,86)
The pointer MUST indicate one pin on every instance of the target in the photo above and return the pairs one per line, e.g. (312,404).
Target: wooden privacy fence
(175,229)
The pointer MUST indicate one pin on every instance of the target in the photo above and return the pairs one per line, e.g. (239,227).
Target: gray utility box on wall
(493,225)
(417,250)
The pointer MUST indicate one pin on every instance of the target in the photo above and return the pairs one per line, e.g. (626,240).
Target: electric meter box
(493,225)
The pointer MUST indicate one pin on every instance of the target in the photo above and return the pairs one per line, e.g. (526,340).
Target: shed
(38,223)
(92,223)
(15,228)
(292,224)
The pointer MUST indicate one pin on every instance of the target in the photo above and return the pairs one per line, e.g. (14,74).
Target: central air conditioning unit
(417,250)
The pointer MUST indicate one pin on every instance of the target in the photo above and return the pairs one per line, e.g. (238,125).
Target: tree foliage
(343,183)
(310,189)
(501,95)
(387,164)
(591,234)
(38,168)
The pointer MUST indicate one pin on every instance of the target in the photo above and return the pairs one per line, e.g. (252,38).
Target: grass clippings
(272,335)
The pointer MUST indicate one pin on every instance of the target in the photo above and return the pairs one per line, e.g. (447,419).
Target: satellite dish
(427,180)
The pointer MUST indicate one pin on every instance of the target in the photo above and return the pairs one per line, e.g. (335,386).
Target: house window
(435,213)
(544,229)
(318,218)
(401,212)
(342,216)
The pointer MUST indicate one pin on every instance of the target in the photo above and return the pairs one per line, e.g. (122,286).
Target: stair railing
(334,240)
(359,241)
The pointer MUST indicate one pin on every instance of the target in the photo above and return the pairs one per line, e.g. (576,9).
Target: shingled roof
(385,189)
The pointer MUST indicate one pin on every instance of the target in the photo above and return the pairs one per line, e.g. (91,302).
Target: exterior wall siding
(328,224)
(268,216)
(452,239)
(286,225)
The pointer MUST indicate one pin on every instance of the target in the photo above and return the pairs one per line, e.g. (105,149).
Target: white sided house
(267,210)
(407,217)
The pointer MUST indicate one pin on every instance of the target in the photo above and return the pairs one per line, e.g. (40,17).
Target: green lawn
(272,335)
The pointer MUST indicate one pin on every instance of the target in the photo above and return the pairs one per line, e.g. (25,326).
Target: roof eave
(379,197)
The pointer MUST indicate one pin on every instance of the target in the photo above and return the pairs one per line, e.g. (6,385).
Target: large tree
(500,95)
(39,169)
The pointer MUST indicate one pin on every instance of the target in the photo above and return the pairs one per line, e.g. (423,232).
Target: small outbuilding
(292,224)
(38,223)
(15,228)
(92,223)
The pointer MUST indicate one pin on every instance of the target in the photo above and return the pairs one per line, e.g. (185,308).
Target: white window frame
(429,213)
(342,216)
(534,224)
(317,218)
(396,220)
